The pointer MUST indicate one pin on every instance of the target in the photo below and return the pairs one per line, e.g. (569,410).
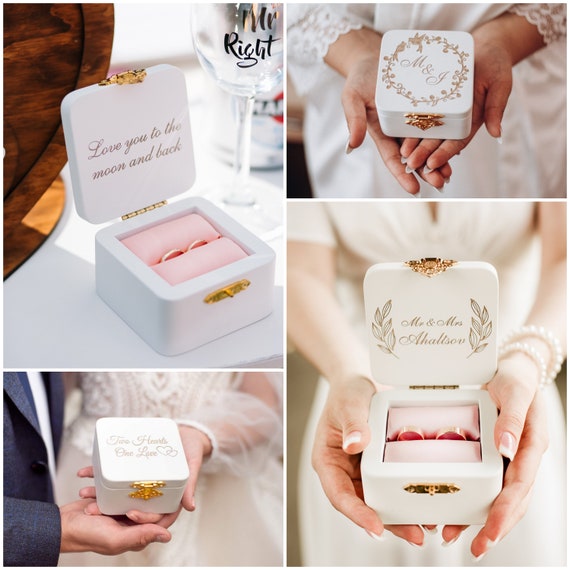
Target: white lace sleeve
(244,425)
(312,28)
(550,19)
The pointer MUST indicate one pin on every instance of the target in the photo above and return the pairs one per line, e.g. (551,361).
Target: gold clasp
(430,266)
(146,489)
(424,121)
(228,291)
(125,78)
(432,488)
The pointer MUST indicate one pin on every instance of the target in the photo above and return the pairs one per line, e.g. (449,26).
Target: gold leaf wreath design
(481,328)
(458,79)
(383,330)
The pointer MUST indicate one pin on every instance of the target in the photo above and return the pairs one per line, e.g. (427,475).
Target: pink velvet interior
(150,244)
(432,451)
(201,260)
(433,418)
(430,420)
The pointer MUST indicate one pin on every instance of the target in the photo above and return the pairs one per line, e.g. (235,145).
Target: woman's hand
(499,45)
(521,435)
(342,434)
(197,445)
(492,87)
(355,55)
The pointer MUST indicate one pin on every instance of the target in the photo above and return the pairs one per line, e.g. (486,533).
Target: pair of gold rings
(412,433)
(176,252)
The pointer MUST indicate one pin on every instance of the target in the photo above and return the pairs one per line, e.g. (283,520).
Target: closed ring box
(138,463)
(432,335)
(130,147)
(425,84)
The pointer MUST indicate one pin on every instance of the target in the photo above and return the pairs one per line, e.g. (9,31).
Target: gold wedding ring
(452,432)
(177,252)
(197,243)
(410,433)
(171,255)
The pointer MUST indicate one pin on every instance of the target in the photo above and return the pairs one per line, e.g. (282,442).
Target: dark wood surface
(49,50)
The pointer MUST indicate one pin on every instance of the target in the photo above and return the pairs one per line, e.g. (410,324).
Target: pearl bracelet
(511,343)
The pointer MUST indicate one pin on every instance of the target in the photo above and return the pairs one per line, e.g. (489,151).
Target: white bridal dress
(530,162)
(366,233)
(238,516)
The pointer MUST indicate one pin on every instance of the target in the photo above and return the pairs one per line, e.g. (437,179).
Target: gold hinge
(144,210)
(125,78)
(436,387)
(228,291)
(432,488)
(146,489)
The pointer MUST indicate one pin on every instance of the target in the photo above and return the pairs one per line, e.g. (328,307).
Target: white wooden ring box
(425,84)
(432,330)
(130,147)
(138,463)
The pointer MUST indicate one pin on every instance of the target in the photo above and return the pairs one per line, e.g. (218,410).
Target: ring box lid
(140,449)
(425,71)
(129,145)
(432,331)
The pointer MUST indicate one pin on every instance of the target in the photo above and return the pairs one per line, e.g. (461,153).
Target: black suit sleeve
(32,533)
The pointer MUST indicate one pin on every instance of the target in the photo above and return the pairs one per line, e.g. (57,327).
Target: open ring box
(432,329)
(182,274)
(138,463)
(425,84)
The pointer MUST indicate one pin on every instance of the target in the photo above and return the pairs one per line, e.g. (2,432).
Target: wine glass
(241,47)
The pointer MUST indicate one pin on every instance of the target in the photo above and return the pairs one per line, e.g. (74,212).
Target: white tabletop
(53,318)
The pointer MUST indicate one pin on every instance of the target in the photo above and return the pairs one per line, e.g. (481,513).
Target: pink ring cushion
(432,451)
(150,244)
(430,419)
(201,260)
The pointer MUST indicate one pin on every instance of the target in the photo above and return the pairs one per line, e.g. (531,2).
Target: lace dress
(530,162)
(242,480)
(364,233)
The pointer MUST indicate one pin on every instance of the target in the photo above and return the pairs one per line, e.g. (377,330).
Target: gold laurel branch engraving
(383,330)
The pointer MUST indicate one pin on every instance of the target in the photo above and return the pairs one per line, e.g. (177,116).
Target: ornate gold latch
(430,266)
(126,78)
(432,488)
(146,489)
(424,121)
(228,291)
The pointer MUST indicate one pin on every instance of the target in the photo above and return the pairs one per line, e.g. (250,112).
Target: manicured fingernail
(427,169)
(450,542)
(348,149)
(378,537)
(414,544)
(430,530)
(409,170)
(160,538)
(352,437)
(507,445)
(86,512)
(440,190)
(446,180)
(403,159)
(477,558)
(133,516)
